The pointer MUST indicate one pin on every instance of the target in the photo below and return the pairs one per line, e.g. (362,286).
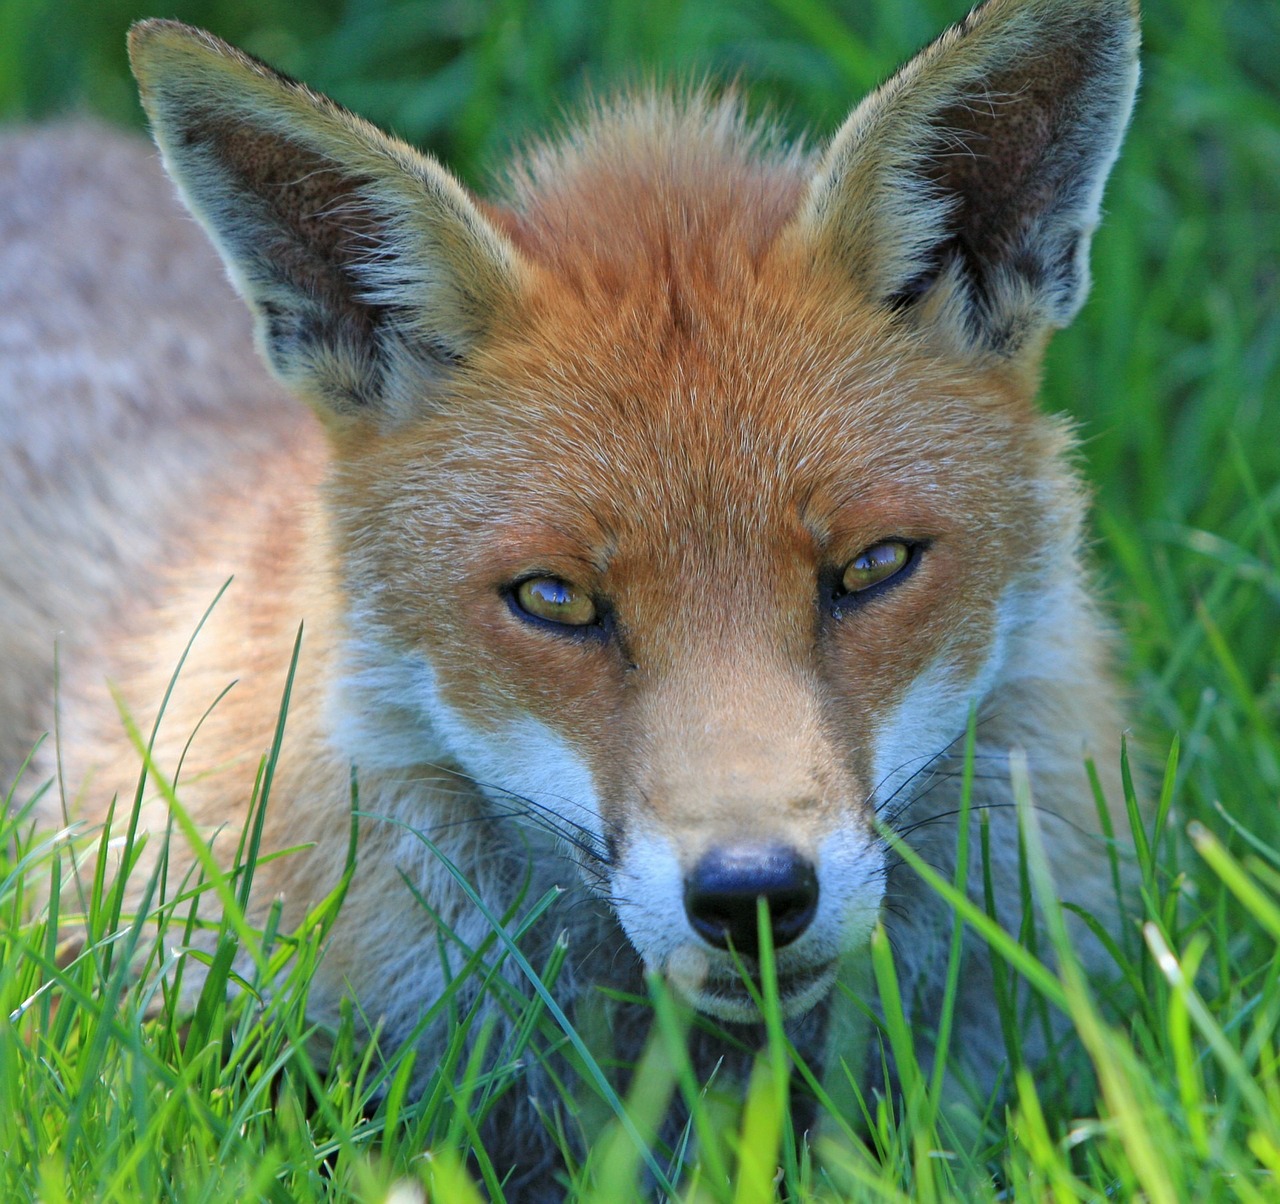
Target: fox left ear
(371,273)
(963,193)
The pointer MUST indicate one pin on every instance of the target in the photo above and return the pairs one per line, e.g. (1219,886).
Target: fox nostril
(720,896)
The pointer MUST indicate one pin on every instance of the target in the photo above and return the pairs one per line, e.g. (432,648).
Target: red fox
(664,520)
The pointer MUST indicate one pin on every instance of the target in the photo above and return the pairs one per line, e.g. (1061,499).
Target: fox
(657,527)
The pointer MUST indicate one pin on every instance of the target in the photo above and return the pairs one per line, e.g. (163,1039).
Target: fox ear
(369,270)
(964,192)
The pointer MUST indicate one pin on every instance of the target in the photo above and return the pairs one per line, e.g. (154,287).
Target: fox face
(705,605)
(688,500)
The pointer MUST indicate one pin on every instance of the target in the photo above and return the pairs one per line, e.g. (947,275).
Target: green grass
(1173,373)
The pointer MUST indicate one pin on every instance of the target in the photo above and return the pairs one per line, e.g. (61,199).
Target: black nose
(720,896)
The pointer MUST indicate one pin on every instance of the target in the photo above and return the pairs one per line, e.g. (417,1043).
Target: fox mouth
(723,994)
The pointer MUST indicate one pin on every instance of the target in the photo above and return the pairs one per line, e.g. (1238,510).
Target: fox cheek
(405,709)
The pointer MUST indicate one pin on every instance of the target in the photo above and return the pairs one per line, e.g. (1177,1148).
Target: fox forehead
(680,358)
(735,415)
(683,393)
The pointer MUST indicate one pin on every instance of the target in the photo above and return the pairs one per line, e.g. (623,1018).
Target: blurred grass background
(1173,370)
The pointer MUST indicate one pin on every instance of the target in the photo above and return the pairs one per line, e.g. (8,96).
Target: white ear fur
(370,271)
(963,193)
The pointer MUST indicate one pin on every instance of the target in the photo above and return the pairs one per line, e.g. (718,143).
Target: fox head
(692,494)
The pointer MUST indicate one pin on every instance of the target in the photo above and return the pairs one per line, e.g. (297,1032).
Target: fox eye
(875,565)
(555,601)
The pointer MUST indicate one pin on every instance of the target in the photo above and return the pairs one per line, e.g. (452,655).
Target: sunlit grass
(109,1089)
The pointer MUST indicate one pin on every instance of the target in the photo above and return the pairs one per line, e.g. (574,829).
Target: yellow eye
(555,601)
(878,563)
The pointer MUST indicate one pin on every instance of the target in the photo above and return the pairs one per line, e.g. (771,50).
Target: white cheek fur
(1032,639)
(648,889)
(934,711)
(387,713)
(923,725)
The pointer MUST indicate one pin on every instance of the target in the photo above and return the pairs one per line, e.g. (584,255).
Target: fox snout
(698,924)
(722,894)
(710,843)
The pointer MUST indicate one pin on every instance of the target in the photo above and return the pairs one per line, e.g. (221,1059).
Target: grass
(109,1091)
(1173,373)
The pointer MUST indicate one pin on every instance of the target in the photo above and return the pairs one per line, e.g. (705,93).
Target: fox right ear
(963,193)
(368,268)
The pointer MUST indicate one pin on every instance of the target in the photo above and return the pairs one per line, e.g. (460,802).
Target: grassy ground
(1173,372)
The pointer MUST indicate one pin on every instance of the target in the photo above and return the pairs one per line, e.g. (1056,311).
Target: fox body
(664,521)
